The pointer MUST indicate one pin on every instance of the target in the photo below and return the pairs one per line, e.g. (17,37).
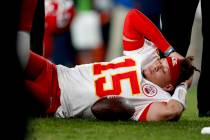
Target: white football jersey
(82,85)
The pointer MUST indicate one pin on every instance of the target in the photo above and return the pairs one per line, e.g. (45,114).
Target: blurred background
(85,31)
(196,44)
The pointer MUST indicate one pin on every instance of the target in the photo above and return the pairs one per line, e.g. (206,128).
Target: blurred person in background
(151,8)
(118,13)
(86,33)
(104,8)
(177,22)
(57,40)
(30,36)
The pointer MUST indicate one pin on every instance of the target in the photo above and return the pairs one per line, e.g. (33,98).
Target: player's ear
(168,87)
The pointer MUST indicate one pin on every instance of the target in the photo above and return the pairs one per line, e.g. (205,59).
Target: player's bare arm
(171,110)
(160,111)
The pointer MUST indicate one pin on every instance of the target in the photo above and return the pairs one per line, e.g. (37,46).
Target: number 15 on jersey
(113,74)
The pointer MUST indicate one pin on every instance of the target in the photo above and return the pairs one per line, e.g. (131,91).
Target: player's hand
(188,82)
(176,54)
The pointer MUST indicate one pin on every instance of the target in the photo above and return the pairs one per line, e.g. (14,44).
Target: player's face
(158,72)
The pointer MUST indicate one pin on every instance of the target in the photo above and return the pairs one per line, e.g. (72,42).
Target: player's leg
(177,21)
(34,82)
(36,66)
(203,94)
(39,94)
(27,11)
(42,82)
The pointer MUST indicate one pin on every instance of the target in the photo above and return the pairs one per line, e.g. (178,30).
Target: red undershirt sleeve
(137,27)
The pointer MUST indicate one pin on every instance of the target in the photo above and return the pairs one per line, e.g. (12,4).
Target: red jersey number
(116,79)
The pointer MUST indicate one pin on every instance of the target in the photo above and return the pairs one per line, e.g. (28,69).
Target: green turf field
(188,128)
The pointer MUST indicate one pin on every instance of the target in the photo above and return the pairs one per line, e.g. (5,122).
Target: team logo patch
(149,90)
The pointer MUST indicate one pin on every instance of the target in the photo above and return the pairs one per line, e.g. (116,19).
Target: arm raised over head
(137,27)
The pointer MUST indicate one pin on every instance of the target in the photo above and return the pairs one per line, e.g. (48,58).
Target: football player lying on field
(139,84)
